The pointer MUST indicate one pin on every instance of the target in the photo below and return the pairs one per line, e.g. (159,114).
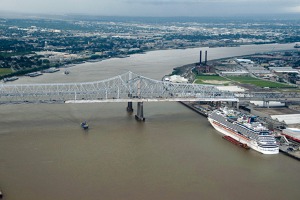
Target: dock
(288,147)
(289,151)
(197,108)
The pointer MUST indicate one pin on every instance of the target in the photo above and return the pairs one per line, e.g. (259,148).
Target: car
(290,149)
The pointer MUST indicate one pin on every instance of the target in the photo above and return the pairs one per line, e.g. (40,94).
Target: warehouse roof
(284,70)
(288,119)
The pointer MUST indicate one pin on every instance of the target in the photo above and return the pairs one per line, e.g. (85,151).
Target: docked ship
(10,79)
(244,129)
(51,70)
(34,74)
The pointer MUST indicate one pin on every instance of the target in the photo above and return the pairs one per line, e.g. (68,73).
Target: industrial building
(283,70)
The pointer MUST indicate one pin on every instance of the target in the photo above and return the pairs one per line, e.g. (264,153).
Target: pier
(198,109)
(285,149)
(289,147)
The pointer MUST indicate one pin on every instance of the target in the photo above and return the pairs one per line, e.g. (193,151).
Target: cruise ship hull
(252,144)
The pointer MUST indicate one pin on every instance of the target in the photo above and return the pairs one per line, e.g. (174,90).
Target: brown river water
(174,154)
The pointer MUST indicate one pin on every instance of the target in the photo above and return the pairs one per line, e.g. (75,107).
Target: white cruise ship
(244,129)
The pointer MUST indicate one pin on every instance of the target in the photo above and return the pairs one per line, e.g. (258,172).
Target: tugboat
(84,125)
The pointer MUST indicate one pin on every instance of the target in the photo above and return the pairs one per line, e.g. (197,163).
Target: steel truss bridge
(269,96)
(128,87)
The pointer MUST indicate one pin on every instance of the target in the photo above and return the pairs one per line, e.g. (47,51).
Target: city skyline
(160,8)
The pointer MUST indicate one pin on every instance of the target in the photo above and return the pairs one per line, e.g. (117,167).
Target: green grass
(4,71)
(202,78)
(258,82)
(211,77)
(243,80)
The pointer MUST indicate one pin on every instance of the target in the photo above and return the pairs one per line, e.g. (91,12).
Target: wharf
(288,147)
(284,148)
(197,108)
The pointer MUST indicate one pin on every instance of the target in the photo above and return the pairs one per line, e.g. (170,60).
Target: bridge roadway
(128,87)
(266,97)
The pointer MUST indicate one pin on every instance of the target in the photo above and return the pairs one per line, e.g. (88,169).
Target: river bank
(190,56)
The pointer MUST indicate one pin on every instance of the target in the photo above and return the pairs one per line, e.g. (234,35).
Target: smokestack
(200,57)
(205,58)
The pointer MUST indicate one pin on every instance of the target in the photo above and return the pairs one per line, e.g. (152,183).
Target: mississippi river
(175,154)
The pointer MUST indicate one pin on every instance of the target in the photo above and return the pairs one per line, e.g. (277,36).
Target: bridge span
(128,87)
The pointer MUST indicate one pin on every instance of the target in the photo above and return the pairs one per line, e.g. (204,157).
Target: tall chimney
(205,58)
(200,57)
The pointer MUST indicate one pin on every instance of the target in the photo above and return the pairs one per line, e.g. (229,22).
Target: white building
(178,79)
(244,61)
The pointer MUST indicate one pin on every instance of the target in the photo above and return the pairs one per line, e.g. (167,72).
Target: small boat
(84,125)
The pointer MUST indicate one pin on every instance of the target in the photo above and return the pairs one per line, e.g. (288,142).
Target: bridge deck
(128,87)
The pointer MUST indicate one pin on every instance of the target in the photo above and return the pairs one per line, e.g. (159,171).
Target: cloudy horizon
(161,8)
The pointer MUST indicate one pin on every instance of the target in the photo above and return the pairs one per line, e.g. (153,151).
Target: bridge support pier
(140,112)
(235,104)
(266,104)
(286,104)
(129,107)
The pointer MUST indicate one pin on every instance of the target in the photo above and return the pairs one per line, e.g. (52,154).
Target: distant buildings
(73,40)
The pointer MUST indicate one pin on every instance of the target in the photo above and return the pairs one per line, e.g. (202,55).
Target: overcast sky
(153,7)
